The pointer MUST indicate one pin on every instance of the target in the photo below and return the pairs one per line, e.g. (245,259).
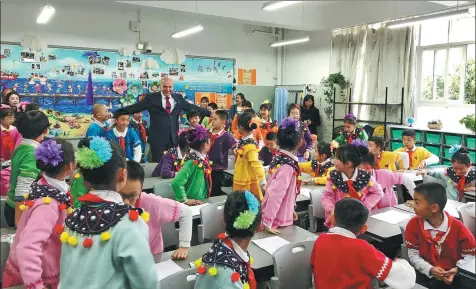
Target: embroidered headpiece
(98,153)
(454,149)
(358,143)
(198,133)
(290,122)
(350,117)
(50,153)
(246,218)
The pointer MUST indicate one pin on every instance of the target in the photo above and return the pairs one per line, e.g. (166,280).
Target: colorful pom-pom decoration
(69,211)
(133,215)
(195,162)
(200,165)
(201,270)
(87,243)
(145,216)
(449,181)
(198,263)
(72,241)
(213,271)
(210,162)
(235,277)
(77,175)
(165,152)
(252,260)
(22,207)
(299,178)
(221,236)
(175,163)
(371,184)
(25,196)
(63,206)
(46,200)
(64,237)
(59,229)
(29,203)
(105,236)
(334,187)
(246,286)
(278,166)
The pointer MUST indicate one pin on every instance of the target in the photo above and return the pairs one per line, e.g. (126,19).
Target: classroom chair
(181,280)
(170,235)
(316,211)
(464,216)
(403,247)
(292,267)
(212,222)
(164,190)
(148,169)
(3,221)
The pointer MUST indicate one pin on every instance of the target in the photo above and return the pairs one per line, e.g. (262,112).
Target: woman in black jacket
(310,113)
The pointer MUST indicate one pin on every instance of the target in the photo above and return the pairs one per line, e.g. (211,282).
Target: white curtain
(373,59)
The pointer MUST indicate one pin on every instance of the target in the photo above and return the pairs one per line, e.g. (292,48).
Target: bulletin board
(57,80)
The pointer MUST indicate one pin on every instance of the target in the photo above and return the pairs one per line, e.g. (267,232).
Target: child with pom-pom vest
(34,259)
(347,180)
(351,132)
(105,242)
(321,166)
(305,147)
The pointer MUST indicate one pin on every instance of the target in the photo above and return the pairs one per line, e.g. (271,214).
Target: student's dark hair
(183,141)
(6,93)
(266,106)
(213,105)
(324,148)
(272,136)
(246,103)
(244,120)
(67,155)
(410,133)
(368,159)
(120,112)
(288,138)
(192,113)
(293,106)
(135,172)
(32,106)
(241,95)
(350,153)
(104,176)
(222,114)
(350,214)
(433,193)
(204,98)
(235,204)
(32,124)
(379,142)
(461,156)
(308,97)
(4,112)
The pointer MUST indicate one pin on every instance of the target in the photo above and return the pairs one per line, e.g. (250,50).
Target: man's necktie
(168,105)
(143,132)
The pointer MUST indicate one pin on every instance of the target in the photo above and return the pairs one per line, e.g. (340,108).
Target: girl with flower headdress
(193,182)
(34,259)
(347,180)
(305,147)
(458,178)
(227,265)
(284,180)
(351,132)
(105,242)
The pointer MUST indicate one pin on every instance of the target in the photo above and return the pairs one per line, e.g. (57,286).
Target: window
(446,61)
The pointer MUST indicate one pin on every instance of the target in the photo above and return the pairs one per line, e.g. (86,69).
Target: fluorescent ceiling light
(45,14)
(188,31)
(290,41)
(275,5)
(418,20)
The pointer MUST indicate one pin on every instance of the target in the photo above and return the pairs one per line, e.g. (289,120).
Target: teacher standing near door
(164,108)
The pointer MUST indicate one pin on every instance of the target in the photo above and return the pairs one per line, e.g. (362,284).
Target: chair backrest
(3,220)
(318,209)
(212,222)
(181,280)
(164,190)
(403,247)
(149,169)
(464,216)
(170,235)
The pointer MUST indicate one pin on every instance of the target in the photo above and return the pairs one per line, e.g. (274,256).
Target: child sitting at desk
(458,178)
(351,132)
(267,153)
(284,183)
(347,180)
(419,157)
(228,264)
(436,241)
(385,159)
(321,166)
(340,260)
(170,164)
(193,182)
(161,211)
(126,138)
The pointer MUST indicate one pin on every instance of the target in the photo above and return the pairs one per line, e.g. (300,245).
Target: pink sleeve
(275,192)
(166,210)
(18,138)
(374,195)
(34,235)
(328,198)
(397,178)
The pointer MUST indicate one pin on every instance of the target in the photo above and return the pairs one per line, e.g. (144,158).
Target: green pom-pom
(88,159)
(244,220)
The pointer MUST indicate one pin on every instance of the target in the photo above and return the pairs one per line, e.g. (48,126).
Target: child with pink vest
(284,179)
(34,259)
(161,211)
(9,140)
(386,179)
(348,181)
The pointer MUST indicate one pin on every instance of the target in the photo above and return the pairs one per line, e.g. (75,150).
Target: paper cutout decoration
(173,56)
(150,63)
(246,76)
(33,43)
(124,52)
(119,86)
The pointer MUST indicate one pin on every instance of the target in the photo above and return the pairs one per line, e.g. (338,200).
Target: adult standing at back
(235,108)
(164,108)
(310,113)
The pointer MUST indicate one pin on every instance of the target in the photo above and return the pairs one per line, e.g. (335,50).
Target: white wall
(107,27)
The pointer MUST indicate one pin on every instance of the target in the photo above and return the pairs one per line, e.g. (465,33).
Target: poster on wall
(246,76)
(57,80)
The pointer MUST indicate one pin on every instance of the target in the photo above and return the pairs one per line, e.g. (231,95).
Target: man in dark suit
(164,108)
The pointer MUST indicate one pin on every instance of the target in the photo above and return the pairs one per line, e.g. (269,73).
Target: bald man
(164,108)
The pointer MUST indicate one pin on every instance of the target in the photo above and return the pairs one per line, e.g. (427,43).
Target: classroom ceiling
(318,15)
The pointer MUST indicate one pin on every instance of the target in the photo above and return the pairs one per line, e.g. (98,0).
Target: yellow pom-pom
(22,207)
(360,194)
(278,166)
(64,237)
(46,200)
(210,162)
(165,152)
(105,236)
(200,165)
(198,263)
(175,163)
(213,271)
(145,216)
(299,178)
(246,286)
(449,181)
(371,184)
(69,210)
(334,187)
(76,176)
(25,196)
(252,260)
(72,241)
(182,162)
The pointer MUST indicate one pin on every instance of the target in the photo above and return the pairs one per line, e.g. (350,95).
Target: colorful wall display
(57,80)
(246,76)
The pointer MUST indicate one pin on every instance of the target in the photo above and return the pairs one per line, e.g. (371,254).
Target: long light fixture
(418,20)
(45,14)
(275,5)
(290,41)
(188,31)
